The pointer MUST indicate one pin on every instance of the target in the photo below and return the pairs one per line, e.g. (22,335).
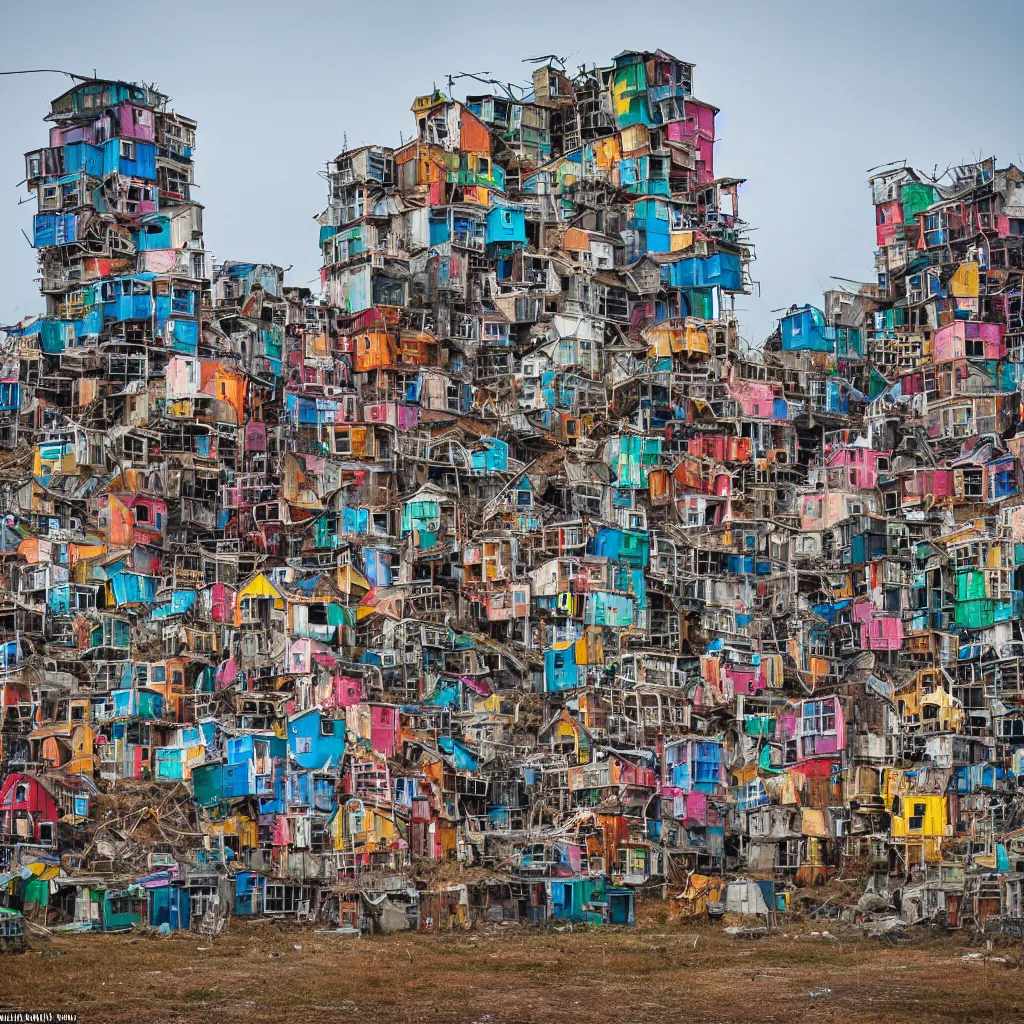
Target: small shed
(12,931)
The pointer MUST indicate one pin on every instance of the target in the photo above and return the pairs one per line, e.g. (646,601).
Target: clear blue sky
(812,95)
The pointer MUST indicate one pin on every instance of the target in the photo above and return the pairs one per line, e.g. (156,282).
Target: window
(182,301)
(819,716)
(275,899)
(127,149)
(787,854)
(202,900)
(175,180)
(124,905)
(960,421)
(819,645)
(134,449)
(753,793)
(354,205)
(1011,728)
(968,554)
(916,821)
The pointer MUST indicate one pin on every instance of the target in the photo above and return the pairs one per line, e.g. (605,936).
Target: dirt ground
(271,973)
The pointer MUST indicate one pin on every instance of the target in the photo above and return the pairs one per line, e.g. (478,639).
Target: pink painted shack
(863,465)
(697,129)
(878,631)
(965,339)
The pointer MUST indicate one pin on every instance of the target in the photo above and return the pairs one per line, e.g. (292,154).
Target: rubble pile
(503,551)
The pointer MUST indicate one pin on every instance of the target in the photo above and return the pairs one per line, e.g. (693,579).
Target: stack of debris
(505,550)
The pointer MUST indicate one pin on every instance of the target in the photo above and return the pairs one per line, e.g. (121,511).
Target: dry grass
(255,973)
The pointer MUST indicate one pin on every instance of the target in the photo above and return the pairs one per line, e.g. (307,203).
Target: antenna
(51,71)
(889,163)
(477,75)
(549,57)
